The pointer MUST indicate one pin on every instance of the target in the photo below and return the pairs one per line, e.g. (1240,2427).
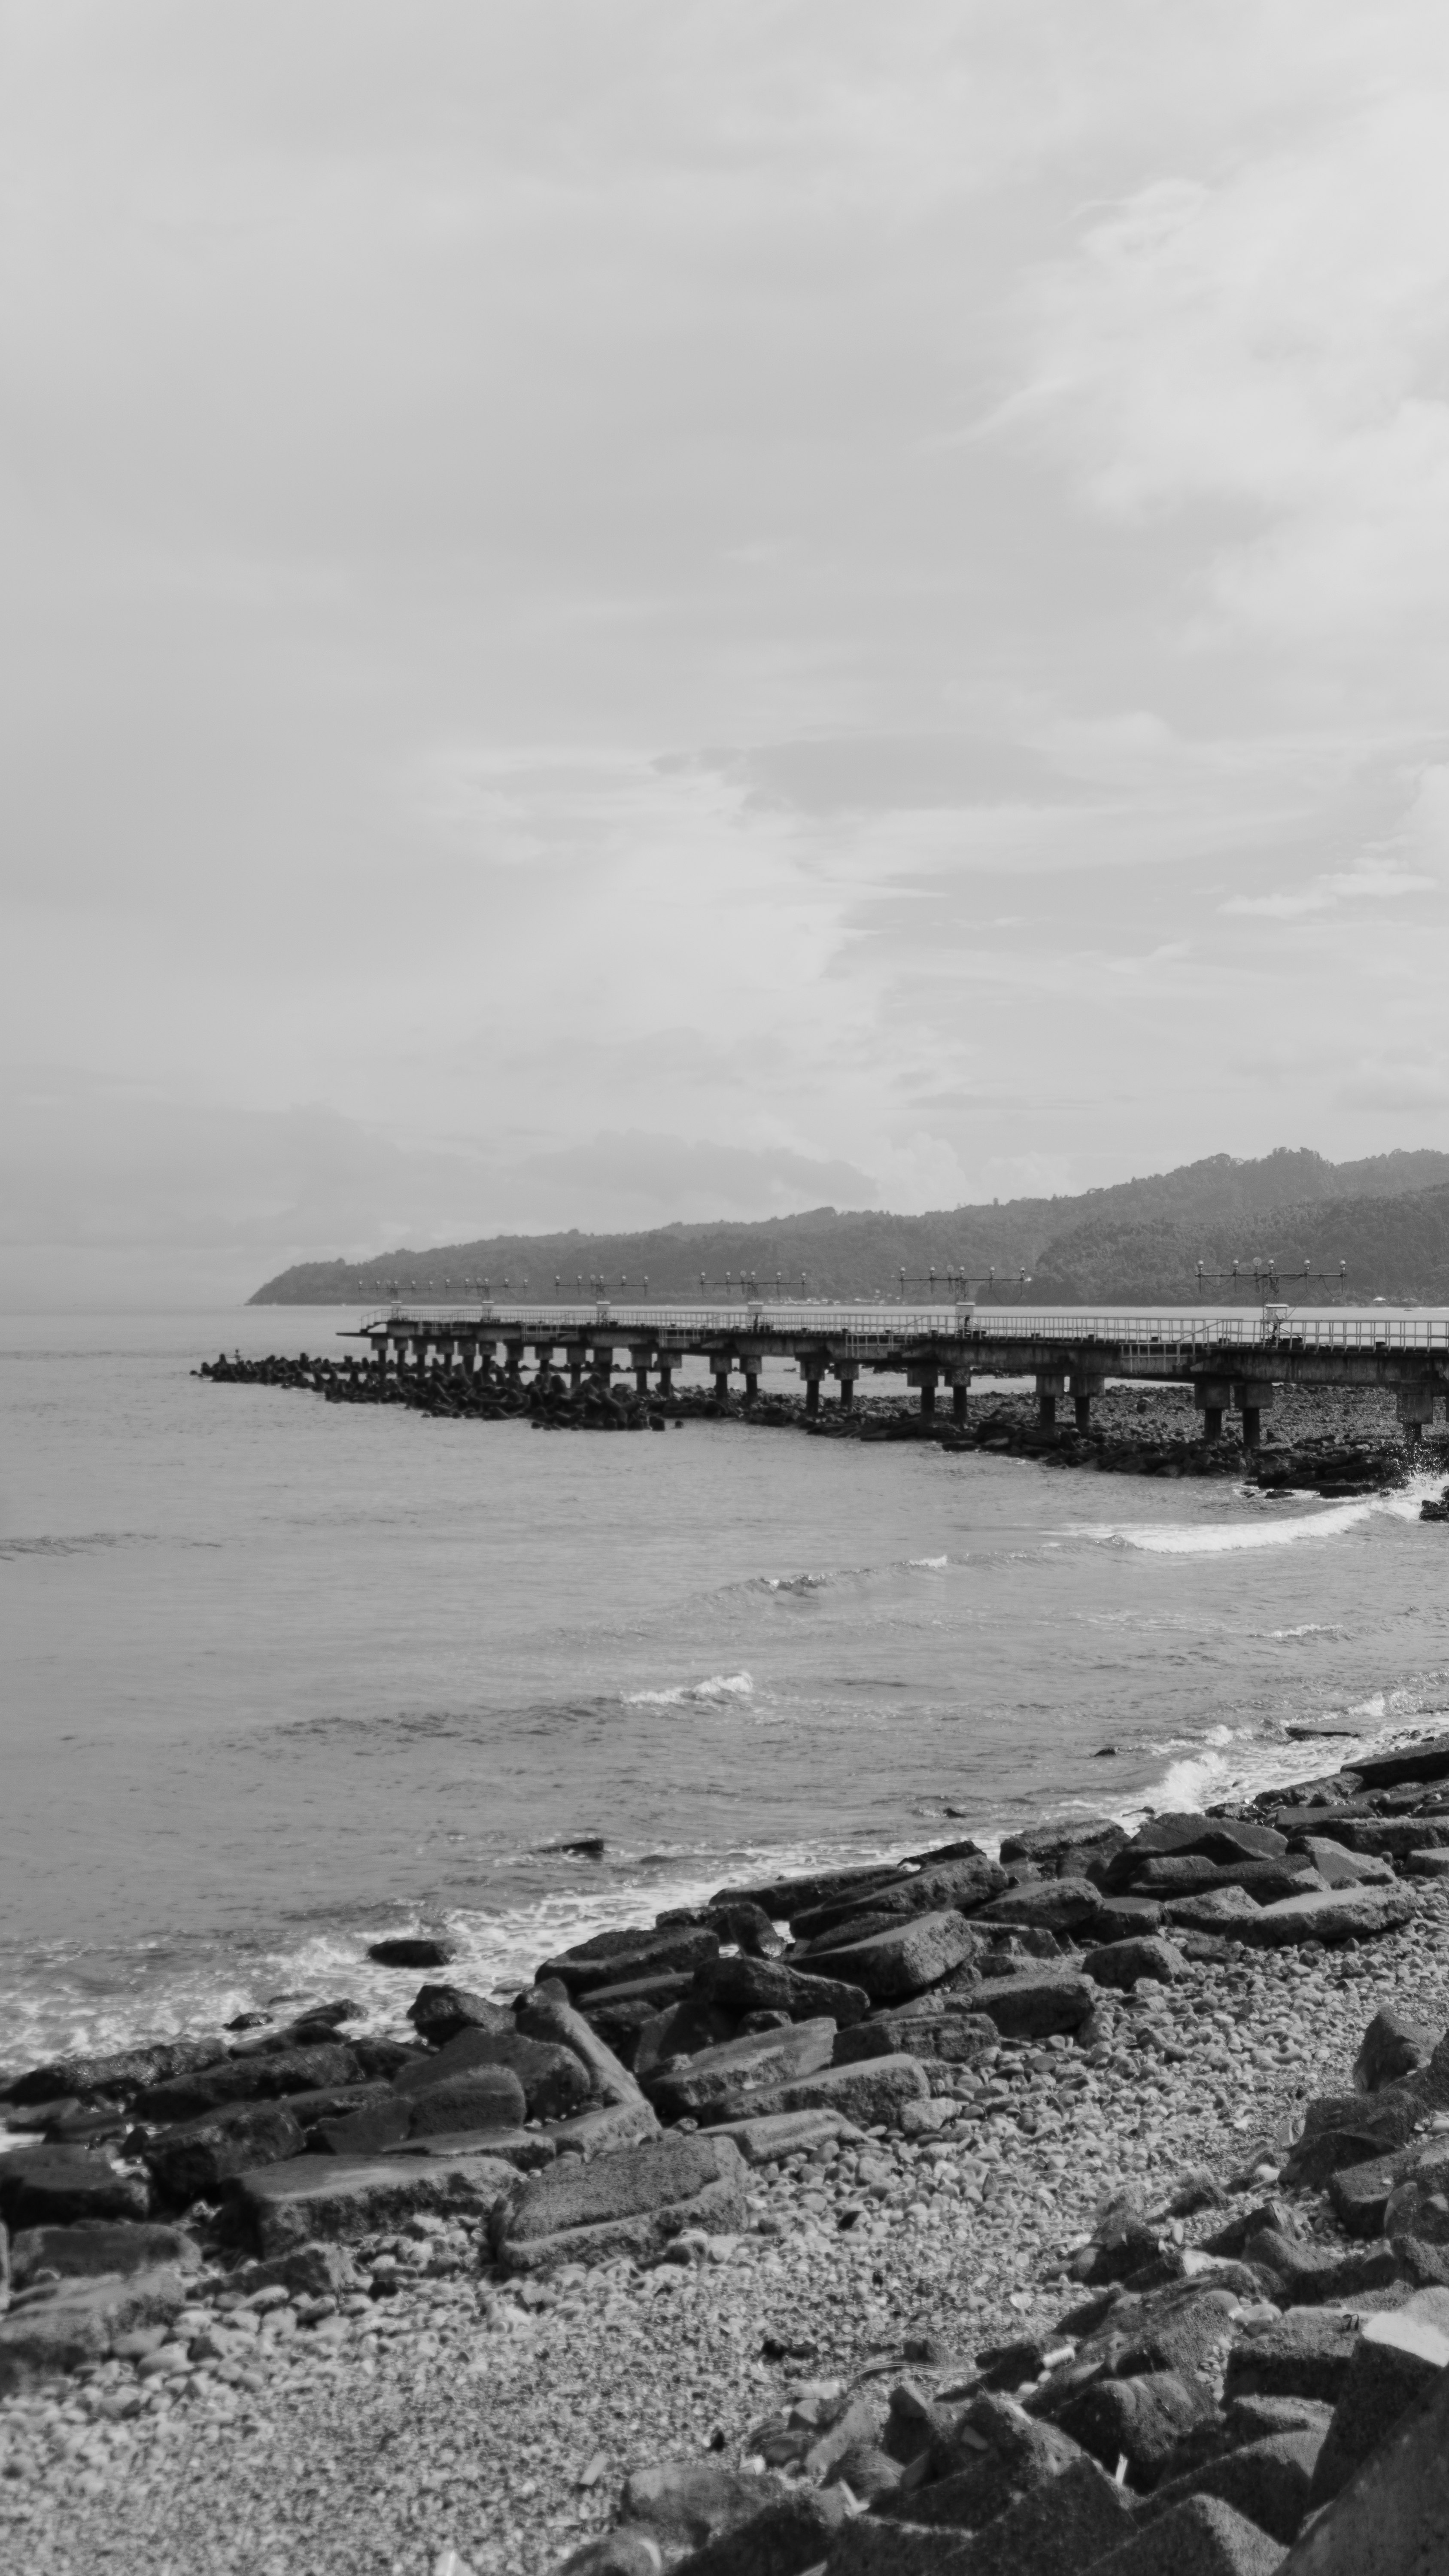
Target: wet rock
(54,2186)
(1311,2275)
(1337,1866)
(784,2540)
(906,1959)
(877,2091)
(782,1899)
(683,2030)
(195,2161)
(1350,2129)
(767,1985)
(611,1958)
(259,2078)
(1046,1844)
(120,2075)
(380,2123)
(946,2038)
(439,2013)
(1121,1963)
(411,1950)
(482,2098)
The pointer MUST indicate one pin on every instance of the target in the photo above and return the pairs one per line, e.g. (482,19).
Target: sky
(625,610)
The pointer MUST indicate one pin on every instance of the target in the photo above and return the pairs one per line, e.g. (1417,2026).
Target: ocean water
(277,1677)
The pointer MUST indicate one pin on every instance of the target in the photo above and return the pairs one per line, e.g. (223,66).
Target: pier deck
(1232,1357)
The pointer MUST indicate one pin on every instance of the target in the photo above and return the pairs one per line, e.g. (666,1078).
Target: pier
(1233,1358)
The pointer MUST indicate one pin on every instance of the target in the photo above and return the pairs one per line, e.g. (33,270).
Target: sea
(279,1677)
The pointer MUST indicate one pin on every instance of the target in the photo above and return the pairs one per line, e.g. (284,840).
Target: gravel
(436,2410)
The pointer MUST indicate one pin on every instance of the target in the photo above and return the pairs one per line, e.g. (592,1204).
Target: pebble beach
(434,2409)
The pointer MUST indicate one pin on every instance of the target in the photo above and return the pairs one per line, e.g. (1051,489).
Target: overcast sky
(626,609)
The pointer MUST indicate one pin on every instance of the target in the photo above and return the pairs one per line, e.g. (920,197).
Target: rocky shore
(1330,1442)
(1082,2207)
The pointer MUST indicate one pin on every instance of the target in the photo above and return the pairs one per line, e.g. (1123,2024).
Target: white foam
(718,1687)
(928,1564)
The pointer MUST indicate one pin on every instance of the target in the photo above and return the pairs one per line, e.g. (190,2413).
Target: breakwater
(1101,2205)
(1335,1442)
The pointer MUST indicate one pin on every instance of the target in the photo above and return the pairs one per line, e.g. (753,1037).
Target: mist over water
(280,1676)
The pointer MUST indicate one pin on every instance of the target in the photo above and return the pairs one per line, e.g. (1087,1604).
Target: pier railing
(868,1327)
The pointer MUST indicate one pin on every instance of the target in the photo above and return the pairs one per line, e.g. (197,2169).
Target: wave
(717,1688)
(795,1582)
(927,1564)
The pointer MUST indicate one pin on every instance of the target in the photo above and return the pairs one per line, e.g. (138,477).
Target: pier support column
(1253,1398)
(1050,1383)
(639,1360)
(575,1354)
(960,1397)
(666,1379)
(1087,1385)
(846,1373)
(1212,1396)
(812,1395)
(603,1368)
(513,1362)
(1415,1407)
(721,1379)
(752,1381)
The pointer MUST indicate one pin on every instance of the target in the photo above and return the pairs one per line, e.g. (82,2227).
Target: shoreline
(510,2405)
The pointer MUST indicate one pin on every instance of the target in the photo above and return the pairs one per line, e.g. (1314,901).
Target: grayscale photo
(726,747)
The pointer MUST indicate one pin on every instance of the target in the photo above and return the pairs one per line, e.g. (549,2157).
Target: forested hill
(1387,1217)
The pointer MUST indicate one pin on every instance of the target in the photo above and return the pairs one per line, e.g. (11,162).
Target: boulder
(1393,2045)
(1393,1770)
(1052,1905)
(946,2038)
(258,2077)
(439,2013)
(1121,1963)
(1267,2481)
(1337,1866)
(1201,2537)
(197,2160)
(784,2540)
(611,1958)
(1400,2353)
(682,2030)
(906,1959)
(283,2205)
(767,1985)
(411,1950)
(1311,2275)
(380,2124)
(1306,2354)
(1045,1844)
(120,2075)
(100,2246)
(1035,2004)
(684,2503)
(960,1885)
(480,2098)
(53,2186)
(1141,2419)
(718,2082)
(783,1898)
(1222,1839)
(1392,2518)
(524,2149)
(1338,1914)
(552,2081)
(1393,1837)
(1122,1918)
(546,2013)
(771,2135)
(632,2200)
(873,2093)
(81,2322)
(1221,1910)
(1349,2129)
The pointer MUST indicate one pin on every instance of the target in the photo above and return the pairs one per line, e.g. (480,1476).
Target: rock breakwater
(1336,1443)
(1101,2209)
